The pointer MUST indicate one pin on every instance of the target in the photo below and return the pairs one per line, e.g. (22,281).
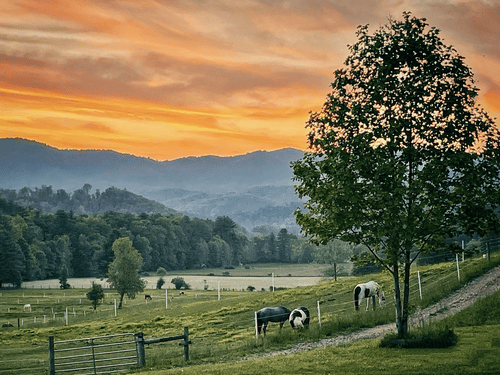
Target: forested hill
(255,189)
(81,201)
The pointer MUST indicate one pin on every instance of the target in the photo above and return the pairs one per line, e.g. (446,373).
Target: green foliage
(364,264)
(123,274)
(63,278)
(160,283)
(161,271)
(179,283)
(95,295)
(12,257)
(401,153)
(427,337)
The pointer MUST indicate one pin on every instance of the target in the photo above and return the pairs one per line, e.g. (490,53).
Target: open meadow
(259,276)
(223,330)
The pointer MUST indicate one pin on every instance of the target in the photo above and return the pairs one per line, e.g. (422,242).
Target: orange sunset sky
(169,79)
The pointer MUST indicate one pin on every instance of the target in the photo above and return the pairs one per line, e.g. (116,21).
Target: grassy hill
(223,330)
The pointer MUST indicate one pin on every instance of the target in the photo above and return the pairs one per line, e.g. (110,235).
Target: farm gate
(94,355)
(104,354)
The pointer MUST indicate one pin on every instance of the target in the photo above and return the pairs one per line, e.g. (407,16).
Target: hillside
(253,189)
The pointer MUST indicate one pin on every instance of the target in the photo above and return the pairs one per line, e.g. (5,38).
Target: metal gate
(94,355)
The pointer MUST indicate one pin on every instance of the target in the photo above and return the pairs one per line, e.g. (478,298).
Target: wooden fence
(104,354)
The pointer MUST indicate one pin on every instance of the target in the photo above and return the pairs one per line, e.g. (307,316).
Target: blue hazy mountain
(253,189)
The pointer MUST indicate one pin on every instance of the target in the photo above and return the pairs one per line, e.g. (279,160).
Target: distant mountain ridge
(208,186)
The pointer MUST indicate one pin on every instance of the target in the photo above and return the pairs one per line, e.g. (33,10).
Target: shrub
(160,283)
(179,283)
(161,271)
(433,336)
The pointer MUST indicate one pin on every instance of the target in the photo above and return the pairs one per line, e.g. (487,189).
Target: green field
(223,330)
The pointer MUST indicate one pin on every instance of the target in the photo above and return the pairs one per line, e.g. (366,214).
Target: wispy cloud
(167,79)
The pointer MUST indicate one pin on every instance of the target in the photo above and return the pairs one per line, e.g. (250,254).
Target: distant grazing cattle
(148,297)
(181,293)
(27,306)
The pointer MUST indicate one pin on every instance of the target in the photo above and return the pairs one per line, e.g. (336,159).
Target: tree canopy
(401,155)
(123,272)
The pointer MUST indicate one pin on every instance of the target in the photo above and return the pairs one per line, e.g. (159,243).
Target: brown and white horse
(367,290)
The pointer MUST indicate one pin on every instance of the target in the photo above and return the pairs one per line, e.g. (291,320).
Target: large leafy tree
(401,155)
(123,274)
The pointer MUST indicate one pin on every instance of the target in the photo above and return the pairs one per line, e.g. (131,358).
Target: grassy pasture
(220,330)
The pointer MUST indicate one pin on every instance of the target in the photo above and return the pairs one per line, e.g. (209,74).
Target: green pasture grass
(477,352)
(220,330)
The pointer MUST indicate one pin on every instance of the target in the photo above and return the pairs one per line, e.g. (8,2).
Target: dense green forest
(39,245)
(81,201)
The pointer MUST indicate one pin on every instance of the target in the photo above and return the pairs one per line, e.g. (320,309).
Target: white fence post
(166,298)
(66,316)
(115,306)
(458,268)
(419,284)
(319,315)
(256,329)
(273,280)
(218,290)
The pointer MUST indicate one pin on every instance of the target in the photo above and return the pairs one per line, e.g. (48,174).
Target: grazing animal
(148,297)
(27,306)
(7,325)
(300,317)
(181,293)
(367,290)
(271,314)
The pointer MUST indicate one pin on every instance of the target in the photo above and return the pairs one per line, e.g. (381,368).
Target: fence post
(139,346)
(186,343)
(419,284)
(256,329)
(319,315)
(458,268)
(52,364)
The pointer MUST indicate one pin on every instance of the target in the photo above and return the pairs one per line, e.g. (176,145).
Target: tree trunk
(121,300)
(406,297)
(397,298)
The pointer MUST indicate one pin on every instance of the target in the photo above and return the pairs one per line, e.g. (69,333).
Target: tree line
(35,245)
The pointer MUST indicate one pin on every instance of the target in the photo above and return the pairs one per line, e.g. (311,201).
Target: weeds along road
(471,292)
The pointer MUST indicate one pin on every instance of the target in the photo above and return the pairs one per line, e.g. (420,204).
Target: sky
(172,79)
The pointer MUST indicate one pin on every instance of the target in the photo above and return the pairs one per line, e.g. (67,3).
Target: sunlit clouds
(186,78)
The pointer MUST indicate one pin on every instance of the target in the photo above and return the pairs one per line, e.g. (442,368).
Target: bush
(160,283)
(179,283)
(431,337)
(161,271)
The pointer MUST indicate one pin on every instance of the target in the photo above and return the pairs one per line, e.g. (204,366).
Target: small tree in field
(160,283)
(402,157)
(123,274)
(179,283)
(63,278)
(95,295)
